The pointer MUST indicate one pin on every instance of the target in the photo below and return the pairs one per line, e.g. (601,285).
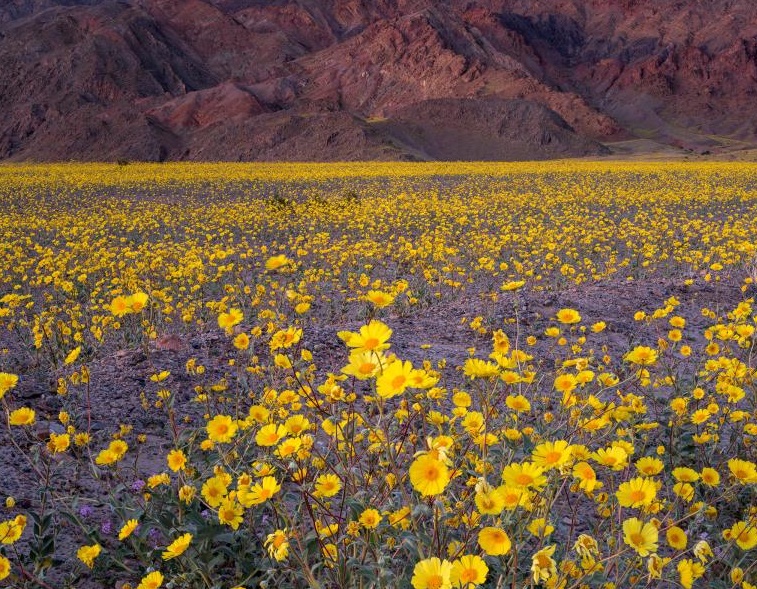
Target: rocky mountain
(386,79)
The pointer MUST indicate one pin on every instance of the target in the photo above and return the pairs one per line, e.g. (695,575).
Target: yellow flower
(88,554)
(737,575)
(138,301)
(432,573)
(221,428)
(703,551)
(187,493)
(475,368)
(152,580)
(277,544)
(512,285)
(285,338)
(586,475)
(22,416)
(120,306)
(230,513)
(160,376)
(494,541)
(127,529)
(428,475)
(489,500)
(177,547)
(380,299)
(241,341)
(684,490)
(649,465)
(552,454)
(72,355)
(277,262)
(326,531)
(259,492)
(543,565)
(640,536)
(468,571)
(394,379)
(524,475)
(689,571)
(514,497)
(230,319)
(370,518)
(364,365)
(330,553)
(642,355)
(638,492)
(259,414)
(214,490)
(655,564)
(565,383)
(58,442)
(327,485)
(518,403)
(270,435)
(586,546)
(177,460)
(5,567)
(540,528)
(676,538)
(743,533)
(685,475)
(11,530)
(157,480)
(7,382)
(614,457)
(552,331)
(568,316)
(700,416)
(743,470)
(373,337)
(400,518)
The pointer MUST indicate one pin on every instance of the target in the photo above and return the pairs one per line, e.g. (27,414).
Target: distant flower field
(225,376)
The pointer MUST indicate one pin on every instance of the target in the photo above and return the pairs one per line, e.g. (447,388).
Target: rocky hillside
(386,79)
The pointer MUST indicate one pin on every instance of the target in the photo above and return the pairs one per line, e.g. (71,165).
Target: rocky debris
(247,79)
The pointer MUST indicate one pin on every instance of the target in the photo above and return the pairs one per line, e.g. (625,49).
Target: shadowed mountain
(392,79)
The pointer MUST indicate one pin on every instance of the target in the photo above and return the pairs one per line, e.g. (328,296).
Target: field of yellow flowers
(227,376)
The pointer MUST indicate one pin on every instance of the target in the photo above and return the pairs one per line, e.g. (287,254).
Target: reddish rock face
(359,79)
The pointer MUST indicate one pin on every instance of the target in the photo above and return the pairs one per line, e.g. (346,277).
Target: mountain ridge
(351,79)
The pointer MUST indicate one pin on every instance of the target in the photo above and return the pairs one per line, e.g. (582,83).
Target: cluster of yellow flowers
(315,450)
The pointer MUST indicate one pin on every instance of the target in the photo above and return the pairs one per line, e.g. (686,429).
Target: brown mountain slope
(390,79)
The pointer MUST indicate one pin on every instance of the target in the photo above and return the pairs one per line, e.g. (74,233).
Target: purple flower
(86,511)
(138,485)
(106,528)
(154,536)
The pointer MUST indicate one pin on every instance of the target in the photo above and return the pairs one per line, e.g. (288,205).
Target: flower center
(552,457)
(524,479)
(371,343)
(637,495)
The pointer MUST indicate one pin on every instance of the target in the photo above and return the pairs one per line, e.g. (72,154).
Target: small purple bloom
(86,511)
(154,536)
(106,528)
(138,485)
